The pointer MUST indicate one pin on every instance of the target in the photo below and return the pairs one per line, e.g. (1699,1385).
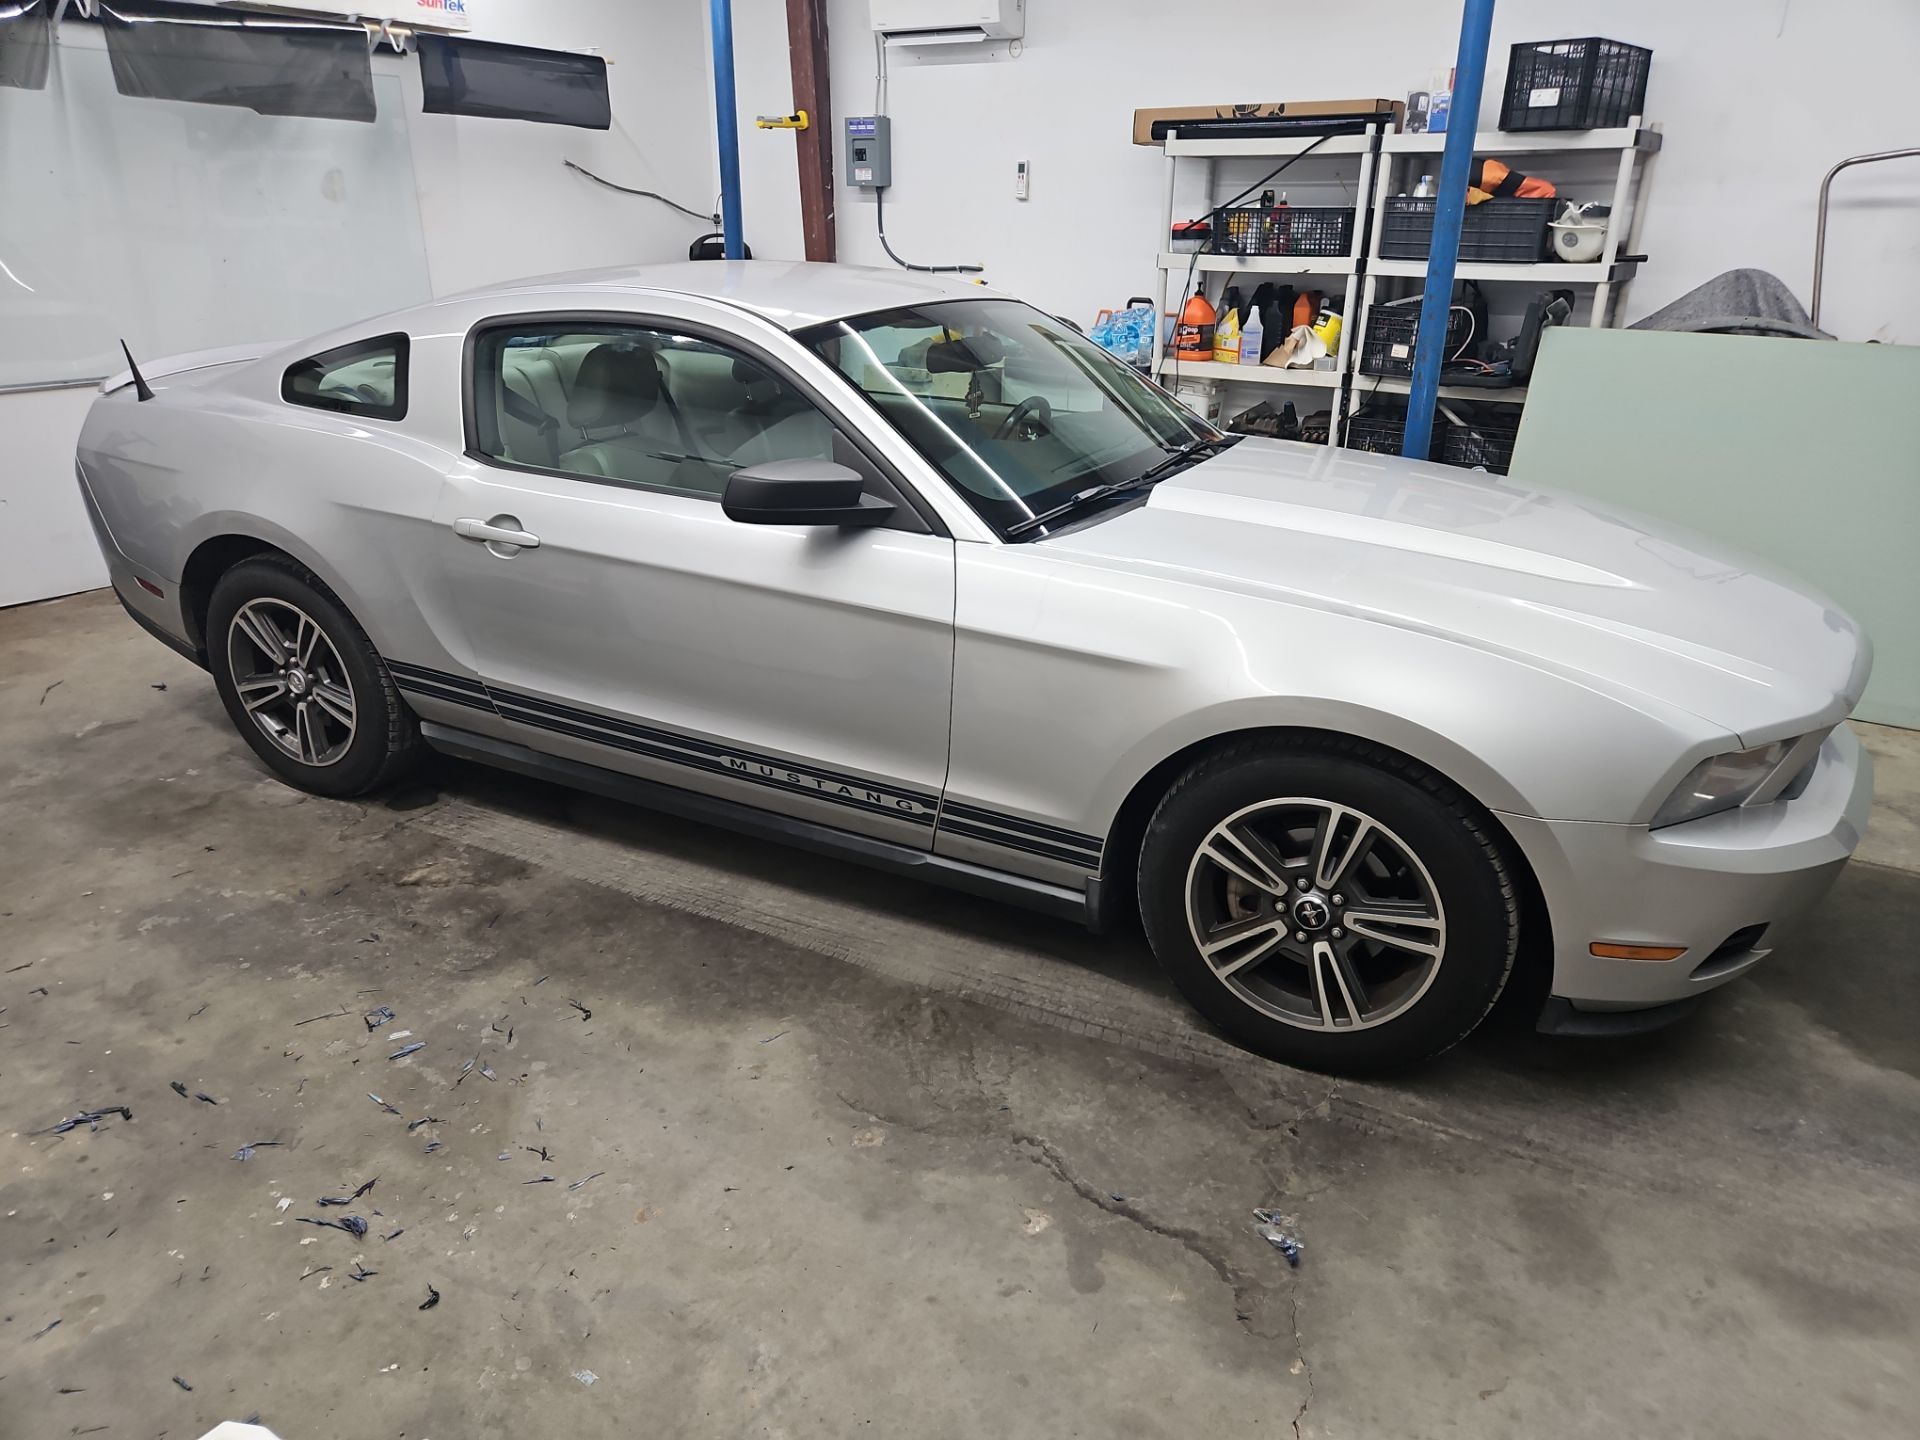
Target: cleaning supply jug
(1226,336)
(1193,337)
(1327,326)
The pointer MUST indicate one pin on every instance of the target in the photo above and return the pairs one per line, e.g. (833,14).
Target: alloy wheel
(291,681)
(1316,914)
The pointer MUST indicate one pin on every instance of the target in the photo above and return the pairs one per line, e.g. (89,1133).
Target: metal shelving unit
(1381,164)
(1359,150)
(1606,278)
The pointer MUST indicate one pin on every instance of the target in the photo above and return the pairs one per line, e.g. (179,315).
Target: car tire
(335,725)
(1396,957)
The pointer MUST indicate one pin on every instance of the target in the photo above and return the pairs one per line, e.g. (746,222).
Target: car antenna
(141,389)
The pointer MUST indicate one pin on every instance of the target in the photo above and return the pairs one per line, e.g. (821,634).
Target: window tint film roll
(269,64)
(513,82)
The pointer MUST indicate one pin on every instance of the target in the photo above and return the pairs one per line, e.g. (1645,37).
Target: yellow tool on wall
(796,121)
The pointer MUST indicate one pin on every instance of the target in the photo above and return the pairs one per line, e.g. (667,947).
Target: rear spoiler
(191,360)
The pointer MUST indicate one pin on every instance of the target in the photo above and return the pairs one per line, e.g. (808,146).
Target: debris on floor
(406,1050)
(352,1224)
(433,1297)
(1271,1226)
(245,1152)
(44,1330)
(182,1384)
(585,1377)
(89,1118)
(377,1017)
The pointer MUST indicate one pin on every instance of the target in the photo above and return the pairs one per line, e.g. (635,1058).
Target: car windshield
(1019,411)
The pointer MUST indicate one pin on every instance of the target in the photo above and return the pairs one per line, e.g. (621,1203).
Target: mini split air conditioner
(949,22)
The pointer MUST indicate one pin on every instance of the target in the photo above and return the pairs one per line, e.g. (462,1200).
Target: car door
(619,618)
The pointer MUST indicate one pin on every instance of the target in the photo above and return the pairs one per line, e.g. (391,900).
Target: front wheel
(1334,908)
(303,684)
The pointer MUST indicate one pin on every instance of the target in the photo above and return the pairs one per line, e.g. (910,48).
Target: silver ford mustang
(905,571)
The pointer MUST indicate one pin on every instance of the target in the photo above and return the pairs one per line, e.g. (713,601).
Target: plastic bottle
(1252,333)
(1327,327)
(1193,337)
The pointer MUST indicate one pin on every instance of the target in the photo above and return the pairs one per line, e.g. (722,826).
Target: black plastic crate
(1381,430)
(1478,443)
(1511,230)
(1283,230)
(1392,330)
(1588,84)
(1470,437)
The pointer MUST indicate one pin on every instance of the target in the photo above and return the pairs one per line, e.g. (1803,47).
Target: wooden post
(812,92)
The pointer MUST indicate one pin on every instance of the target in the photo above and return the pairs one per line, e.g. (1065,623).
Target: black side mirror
(802,492)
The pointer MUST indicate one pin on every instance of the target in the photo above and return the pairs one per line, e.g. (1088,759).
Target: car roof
(791,293)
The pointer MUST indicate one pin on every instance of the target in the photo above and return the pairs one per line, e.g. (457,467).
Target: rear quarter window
(367,378)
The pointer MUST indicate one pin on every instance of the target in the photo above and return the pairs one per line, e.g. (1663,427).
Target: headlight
(1721,783)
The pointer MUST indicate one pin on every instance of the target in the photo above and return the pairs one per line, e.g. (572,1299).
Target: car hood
(1609,598)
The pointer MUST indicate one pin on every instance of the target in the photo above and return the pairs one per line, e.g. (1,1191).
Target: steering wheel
(1034,408)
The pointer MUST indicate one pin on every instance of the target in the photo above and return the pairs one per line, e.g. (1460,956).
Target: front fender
(1250,714)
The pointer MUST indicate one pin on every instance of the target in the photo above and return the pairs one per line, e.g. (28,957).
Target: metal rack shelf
(1605,279)
(1378,161)
(1634,136)
(1366,386)
(1259,264)
(1254,374)
(1358,154)
(1550,272)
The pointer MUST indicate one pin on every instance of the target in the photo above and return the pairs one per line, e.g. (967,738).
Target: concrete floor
(867,1157)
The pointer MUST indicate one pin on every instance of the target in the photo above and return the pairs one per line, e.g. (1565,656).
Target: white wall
(495,202)
(495,199)
(1756,97)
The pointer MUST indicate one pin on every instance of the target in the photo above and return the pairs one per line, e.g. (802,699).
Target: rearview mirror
(802,492)
(965,356)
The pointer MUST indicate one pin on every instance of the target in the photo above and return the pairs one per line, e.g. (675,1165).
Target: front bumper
(1701,884)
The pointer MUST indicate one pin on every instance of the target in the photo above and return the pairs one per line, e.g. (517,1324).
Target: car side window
(367,378)
(640,407)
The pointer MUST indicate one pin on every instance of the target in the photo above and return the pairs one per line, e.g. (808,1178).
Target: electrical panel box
(870,151)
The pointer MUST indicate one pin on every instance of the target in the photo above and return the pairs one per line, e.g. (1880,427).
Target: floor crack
(1246,1293)
(1300,1359)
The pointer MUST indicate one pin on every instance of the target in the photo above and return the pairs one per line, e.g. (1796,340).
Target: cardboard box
(1147,122)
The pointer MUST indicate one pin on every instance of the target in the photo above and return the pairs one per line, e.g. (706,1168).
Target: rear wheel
(303,684)
(1332,907)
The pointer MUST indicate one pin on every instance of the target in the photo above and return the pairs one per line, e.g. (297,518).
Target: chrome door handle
(500,530)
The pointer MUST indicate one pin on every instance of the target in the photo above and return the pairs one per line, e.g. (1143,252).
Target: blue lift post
(1456,161)
(726,112)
